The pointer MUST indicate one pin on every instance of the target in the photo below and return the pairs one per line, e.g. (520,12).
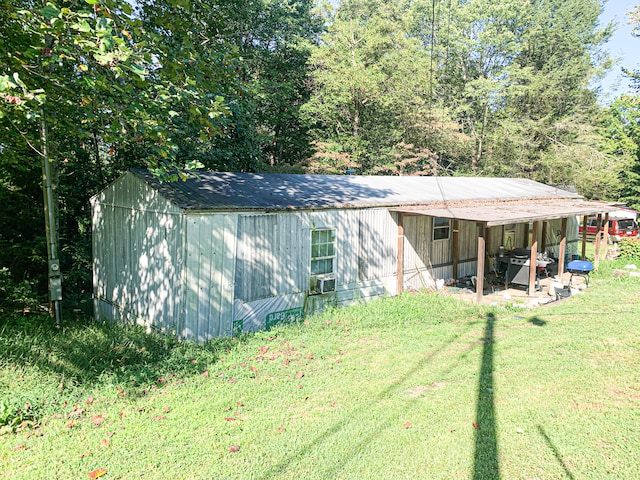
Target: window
(626,224)
(323,251)
(440,228)
(509,236)
(323,254)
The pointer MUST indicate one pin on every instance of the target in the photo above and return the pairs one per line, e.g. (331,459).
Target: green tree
(369,78)
(262,46)
(623,134)
(79,81)
(517,76)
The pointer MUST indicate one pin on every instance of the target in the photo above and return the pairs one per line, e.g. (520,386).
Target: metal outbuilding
(222,253)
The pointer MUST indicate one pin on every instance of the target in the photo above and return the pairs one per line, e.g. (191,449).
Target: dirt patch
(628,394)
(420,389)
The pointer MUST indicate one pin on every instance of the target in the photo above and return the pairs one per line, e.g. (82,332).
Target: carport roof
(516,211)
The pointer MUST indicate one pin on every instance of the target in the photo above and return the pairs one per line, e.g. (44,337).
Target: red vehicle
(622,224)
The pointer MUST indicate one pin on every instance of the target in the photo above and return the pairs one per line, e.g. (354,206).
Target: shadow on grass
(88,353)
(538,322)
(485,458)
(556,453)
(332,471)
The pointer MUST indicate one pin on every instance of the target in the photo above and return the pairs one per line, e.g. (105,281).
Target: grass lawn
(418,386)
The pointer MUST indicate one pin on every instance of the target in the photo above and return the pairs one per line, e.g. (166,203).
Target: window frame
(329,254)
(438,228)
(509,235)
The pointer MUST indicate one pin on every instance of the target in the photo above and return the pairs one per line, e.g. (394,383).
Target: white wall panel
(209,276)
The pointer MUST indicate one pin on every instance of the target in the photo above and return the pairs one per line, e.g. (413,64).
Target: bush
(629,248)
(20,295)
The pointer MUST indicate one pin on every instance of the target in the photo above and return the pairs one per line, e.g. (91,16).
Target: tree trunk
(480,141)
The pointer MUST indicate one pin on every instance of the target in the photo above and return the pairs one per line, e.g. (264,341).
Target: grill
(515,267)
(581,268)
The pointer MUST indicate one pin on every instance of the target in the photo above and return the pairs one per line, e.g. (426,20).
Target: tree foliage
(168,85)
(480,87)
(394,87)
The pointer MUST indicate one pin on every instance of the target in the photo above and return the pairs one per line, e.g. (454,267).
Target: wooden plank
(584,237)
(482,251)
(605,238)
(598,240)
(456,247)
(400,269)
(487,236)
(562,248)
(532,260)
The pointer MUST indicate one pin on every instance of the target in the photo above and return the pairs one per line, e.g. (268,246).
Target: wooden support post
(533,260)
(543,237)
(456,248)
(562,249)
(526,235)
(487,237)
(400,271)
(585,219)
(605,237)
(482,252)
(596,256)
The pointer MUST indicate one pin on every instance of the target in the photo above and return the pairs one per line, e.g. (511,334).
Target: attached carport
(495,213)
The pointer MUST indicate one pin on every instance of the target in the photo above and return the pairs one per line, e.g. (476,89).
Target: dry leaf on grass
(97,419)
(97,473)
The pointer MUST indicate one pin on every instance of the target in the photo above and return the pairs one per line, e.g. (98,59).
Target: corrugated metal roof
(504,212)
(250,191)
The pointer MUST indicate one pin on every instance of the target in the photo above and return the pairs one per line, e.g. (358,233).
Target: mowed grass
(418,386)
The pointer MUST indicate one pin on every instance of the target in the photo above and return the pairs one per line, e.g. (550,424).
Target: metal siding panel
(210,245)
(418,266)
(228,274)
(135,258)
(192,274)
(426,260)
(133,192)
(289,239)
(440,249)
(468,240)
(271,256)
(378,248)
(209,276)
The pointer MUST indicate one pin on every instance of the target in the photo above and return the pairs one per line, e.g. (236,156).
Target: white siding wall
(209,275)
(203,274)
(270,257)
(273,262)
(137,256)
(426,260)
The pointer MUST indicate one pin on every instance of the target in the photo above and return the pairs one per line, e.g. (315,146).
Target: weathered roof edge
(213,191)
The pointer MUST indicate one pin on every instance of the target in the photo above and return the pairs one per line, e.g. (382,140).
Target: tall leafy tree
(626,113)
(81,81)
(270,42)
(369,77)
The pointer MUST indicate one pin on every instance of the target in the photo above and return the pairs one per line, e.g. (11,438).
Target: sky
(622,45)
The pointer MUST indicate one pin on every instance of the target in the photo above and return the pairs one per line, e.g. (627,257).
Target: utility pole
(55,275)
